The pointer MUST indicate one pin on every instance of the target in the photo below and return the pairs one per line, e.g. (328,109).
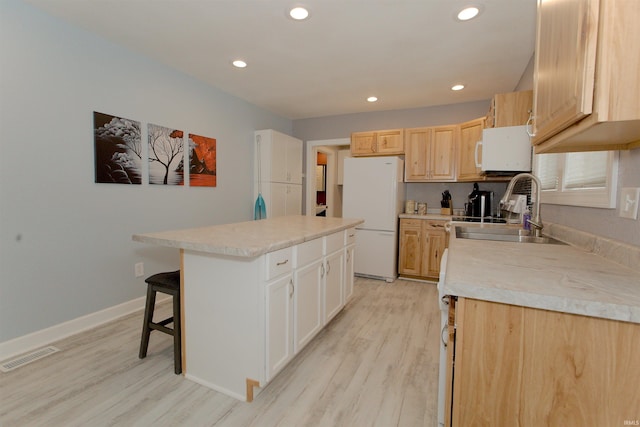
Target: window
(578,179)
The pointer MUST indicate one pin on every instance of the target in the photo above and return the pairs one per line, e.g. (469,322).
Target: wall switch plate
(629,202)
(139,269)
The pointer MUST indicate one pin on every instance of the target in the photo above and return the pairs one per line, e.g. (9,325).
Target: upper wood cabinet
(510,109)
(430,153)
(470,134)
(377,143)
(586,80)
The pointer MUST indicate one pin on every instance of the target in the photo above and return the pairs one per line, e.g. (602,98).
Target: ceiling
(408,53)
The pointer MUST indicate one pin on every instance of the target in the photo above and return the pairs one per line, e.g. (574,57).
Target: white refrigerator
(373,189)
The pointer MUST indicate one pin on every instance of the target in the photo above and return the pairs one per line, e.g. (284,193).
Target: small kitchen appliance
(479,205)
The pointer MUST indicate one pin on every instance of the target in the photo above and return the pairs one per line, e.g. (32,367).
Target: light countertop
(250,238)
(553,277)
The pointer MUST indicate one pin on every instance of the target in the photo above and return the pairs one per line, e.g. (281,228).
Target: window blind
(547,171)
(586,170)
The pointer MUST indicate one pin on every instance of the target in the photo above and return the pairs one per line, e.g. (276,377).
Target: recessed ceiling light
(239,63)
(372,99)
(457,87)
(468,13)
(299,13)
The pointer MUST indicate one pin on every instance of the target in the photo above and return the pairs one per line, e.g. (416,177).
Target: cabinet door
(409,260)
(442,153)
(434,244)
(333,282)
(278,155)
(279,325)
(307,304)
(294,161)
(277,202)
(363,143)
(416,154)
(470,134)
(349,272)
(565,64)
(390,142)
(293,205)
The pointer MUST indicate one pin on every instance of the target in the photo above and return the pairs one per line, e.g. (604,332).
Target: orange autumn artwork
(202,161)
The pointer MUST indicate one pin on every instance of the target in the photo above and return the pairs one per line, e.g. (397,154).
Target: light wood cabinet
(586,80)
(422,243)
(517,365)
(470,134)
(377,143)
(430,153)
(510,109)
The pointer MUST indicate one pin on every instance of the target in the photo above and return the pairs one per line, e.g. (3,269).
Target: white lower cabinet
(304,290)
(307,303)
(333,282)
(349,276)
(279,312)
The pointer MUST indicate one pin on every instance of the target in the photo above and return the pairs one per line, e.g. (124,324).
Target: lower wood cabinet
(422,243)
(515,365)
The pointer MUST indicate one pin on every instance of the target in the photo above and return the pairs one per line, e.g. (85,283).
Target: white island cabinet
(255,293)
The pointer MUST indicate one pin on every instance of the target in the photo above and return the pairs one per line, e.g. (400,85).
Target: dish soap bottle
(526,216)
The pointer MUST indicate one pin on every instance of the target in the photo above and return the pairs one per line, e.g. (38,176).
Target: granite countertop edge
(250,238)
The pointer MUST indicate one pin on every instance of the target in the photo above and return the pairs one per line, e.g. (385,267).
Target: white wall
(65,241)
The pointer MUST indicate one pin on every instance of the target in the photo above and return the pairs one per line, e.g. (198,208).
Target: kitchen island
(543,334)
(255,293)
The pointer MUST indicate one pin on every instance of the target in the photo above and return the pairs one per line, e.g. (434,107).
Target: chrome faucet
(536,221)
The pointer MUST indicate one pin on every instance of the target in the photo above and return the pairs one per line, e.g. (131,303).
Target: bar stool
(167,283)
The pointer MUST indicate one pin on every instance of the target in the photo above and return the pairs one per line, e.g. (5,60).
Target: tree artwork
(202,161)
(118,149)
(165,155)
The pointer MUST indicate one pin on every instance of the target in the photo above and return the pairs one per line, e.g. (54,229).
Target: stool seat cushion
(168,279)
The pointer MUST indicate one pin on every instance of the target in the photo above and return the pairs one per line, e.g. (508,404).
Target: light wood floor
(376,364)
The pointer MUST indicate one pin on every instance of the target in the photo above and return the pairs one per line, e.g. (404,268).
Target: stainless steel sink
(502,234)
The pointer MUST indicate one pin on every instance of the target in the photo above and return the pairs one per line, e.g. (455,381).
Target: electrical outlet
(629,202)
(139,269)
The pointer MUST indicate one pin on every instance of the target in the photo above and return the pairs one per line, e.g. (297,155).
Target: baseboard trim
(43,337)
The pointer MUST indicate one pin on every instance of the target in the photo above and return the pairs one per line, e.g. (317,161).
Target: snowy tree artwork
(166,158)
(118,149)
(202,161)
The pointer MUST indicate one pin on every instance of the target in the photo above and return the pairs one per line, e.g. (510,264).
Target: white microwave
(505,149)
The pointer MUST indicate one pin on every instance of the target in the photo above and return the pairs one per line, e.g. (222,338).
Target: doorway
(329,201)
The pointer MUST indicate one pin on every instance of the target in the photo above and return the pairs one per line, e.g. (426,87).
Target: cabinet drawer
(435,225)
(308,252)
(279,262)
(334,242)
(350,236)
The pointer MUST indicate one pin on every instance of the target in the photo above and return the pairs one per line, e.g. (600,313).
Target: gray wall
(65,242)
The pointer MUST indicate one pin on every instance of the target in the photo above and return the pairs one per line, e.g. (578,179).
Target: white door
(333,282)
(294,200)
(277,202)
(377,254)
(279,314)
(307,304)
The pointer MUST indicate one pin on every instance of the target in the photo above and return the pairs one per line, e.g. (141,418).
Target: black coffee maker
(479,205)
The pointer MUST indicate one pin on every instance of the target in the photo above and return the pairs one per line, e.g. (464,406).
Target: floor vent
(28,358)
